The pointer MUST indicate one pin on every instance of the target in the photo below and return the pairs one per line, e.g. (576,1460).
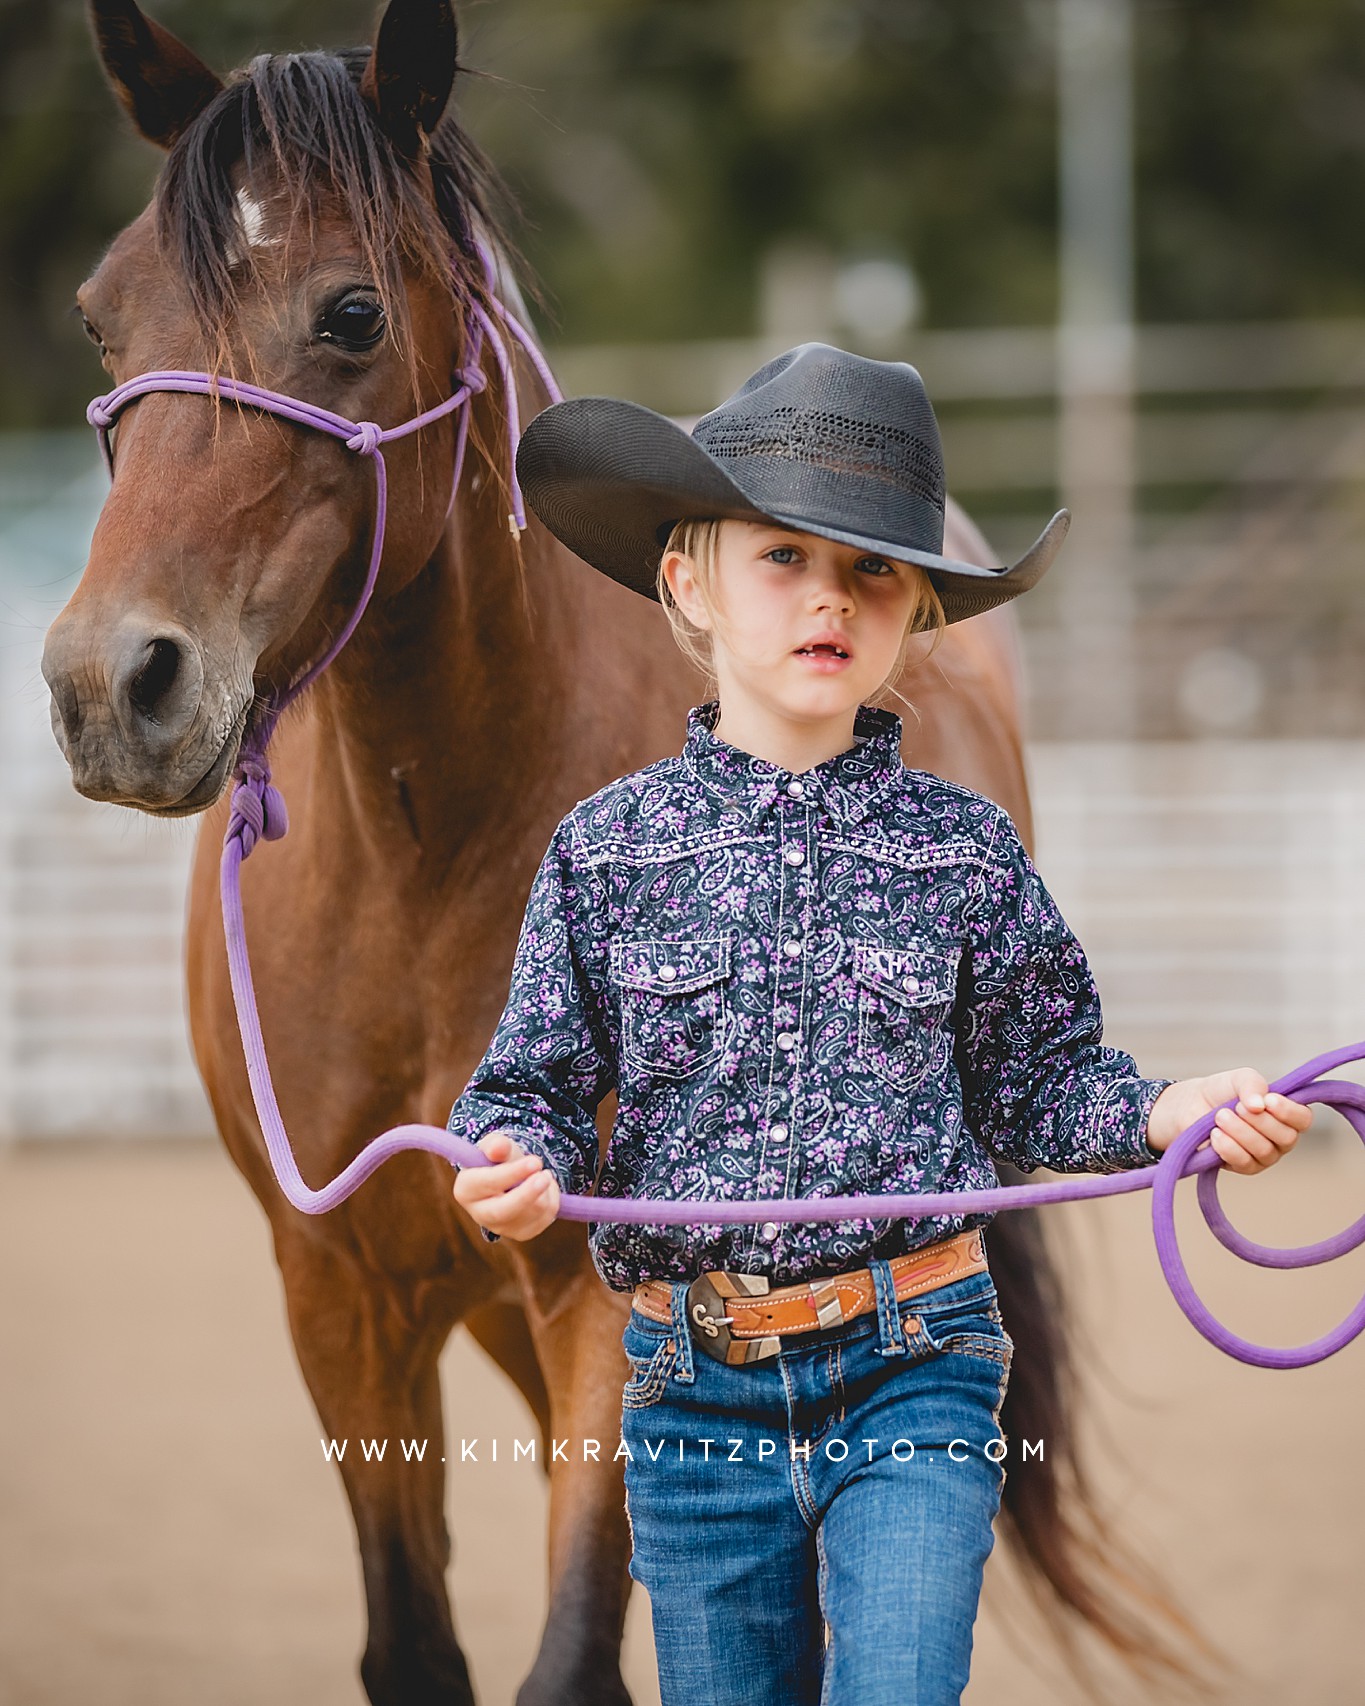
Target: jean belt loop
(891,1340)
(683,1371)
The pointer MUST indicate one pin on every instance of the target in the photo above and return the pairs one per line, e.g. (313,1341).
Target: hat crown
(817,418)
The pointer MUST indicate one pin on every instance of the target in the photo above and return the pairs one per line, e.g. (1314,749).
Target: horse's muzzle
(132,717)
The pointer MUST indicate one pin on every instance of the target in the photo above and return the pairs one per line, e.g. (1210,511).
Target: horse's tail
(1078,1574)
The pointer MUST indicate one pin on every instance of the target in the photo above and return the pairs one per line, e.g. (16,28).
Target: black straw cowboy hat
(818,440)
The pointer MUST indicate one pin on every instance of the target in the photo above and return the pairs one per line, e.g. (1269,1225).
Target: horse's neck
(450,707)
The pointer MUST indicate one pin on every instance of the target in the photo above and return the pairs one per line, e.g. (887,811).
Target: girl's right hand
(518,1197)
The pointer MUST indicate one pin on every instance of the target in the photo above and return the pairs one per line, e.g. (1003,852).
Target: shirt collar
(847,784)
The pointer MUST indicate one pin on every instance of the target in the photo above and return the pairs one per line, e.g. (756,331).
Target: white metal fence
(92,1032)
(1217,889)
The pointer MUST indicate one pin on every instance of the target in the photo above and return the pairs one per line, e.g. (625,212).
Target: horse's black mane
(299,129)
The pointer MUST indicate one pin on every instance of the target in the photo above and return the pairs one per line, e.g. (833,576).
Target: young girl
(807,971)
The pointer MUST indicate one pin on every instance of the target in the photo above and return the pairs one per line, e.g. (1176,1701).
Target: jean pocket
(673,1002)
(973,1328)
(649,1374)
(904,996)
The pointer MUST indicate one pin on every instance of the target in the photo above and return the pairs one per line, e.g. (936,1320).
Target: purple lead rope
(258,812)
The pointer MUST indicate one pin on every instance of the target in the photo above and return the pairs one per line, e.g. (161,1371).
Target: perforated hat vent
(837,443)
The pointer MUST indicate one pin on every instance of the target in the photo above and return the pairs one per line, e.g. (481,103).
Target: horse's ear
(161,83)
(412,69)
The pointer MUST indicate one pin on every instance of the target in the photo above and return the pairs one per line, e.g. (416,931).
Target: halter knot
(258,809)
(367,439)
(99,416)
(472,378)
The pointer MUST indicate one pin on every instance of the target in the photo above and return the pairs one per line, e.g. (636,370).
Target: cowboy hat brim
(611,478)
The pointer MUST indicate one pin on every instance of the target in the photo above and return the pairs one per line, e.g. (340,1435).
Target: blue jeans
(849,1481)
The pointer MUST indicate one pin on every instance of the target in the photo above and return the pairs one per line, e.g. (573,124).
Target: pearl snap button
(794,856)
(786,1041)
(797,790)
(792,949)
(778,1132)
(668,973)
(768,1231)
(912,984)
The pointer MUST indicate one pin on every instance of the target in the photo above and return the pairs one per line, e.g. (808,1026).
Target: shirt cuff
(1121,1124)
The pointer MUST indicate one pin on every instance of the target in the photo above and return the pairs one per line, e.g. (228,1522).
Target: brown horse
(315,229)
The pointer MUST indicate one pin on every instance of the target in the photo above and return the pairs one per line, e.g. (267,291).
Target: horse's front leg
(576,1323)
(369,1355)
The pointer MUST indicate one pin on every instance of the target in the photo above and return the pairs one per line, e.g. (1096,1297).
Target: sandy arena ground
(169,1532)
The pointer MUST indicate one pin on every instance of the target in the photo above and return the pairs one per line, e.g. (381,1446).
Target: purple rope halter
(258,813)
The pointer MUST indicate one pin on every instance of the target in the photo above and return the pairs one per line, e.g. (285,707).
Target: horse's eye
(92,332)
(356,323)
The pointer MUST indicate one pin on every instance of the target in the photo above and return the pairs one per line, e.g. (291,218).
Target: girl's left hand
(1249,1137)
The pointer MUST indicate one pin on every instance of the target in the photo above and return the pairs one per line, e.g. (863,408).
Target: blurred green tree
(660,149)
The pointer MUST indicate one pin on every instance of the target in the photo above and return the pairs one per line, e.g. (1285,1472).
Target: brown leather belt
(736,1318)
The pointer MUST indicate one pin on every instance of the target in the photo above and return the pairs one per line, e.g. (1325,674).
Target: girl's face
(802,629)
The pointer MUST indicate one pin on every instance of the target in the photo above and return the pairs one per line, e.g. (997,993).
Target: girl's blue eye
(782,553)
(874,566)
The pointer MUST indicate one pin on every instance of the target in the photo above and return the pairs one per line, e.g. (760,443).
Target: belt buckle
(707,1317)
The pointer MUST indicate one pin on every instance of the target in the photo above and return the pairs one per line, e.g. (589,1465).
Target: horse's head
(314,231)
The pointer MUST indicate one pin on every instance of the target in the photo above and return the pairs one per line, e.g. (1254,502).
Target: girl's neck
(782,741)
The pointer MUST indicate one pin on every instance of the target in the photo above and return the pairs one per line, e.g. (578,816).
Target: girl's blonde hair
(699,540)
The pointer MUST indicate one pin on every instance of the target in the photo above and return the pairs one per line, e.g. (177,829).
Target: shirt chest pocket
(673,1003)
(904,996)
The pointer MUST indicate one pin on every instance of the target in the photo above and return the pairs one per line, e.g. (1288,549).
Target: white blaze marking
(253,221)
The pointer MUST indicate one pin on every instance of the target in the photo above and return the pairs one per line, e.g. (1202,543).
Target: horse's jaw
(114,777)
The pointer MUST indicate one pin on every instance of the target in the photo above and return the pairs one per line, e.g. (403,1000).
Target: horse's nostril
(154,679)
(155,685)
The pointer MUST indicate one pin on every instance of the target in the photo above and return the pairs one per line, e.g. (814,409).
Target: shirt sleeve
(549,1064)
(1040,1088)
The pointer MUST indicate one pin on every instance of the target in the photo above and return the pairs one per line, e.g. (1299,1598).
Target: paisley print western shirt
(847,980)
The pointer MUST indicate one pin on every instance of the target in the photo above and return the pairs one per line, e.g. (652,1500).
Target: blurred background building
(1119,237)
